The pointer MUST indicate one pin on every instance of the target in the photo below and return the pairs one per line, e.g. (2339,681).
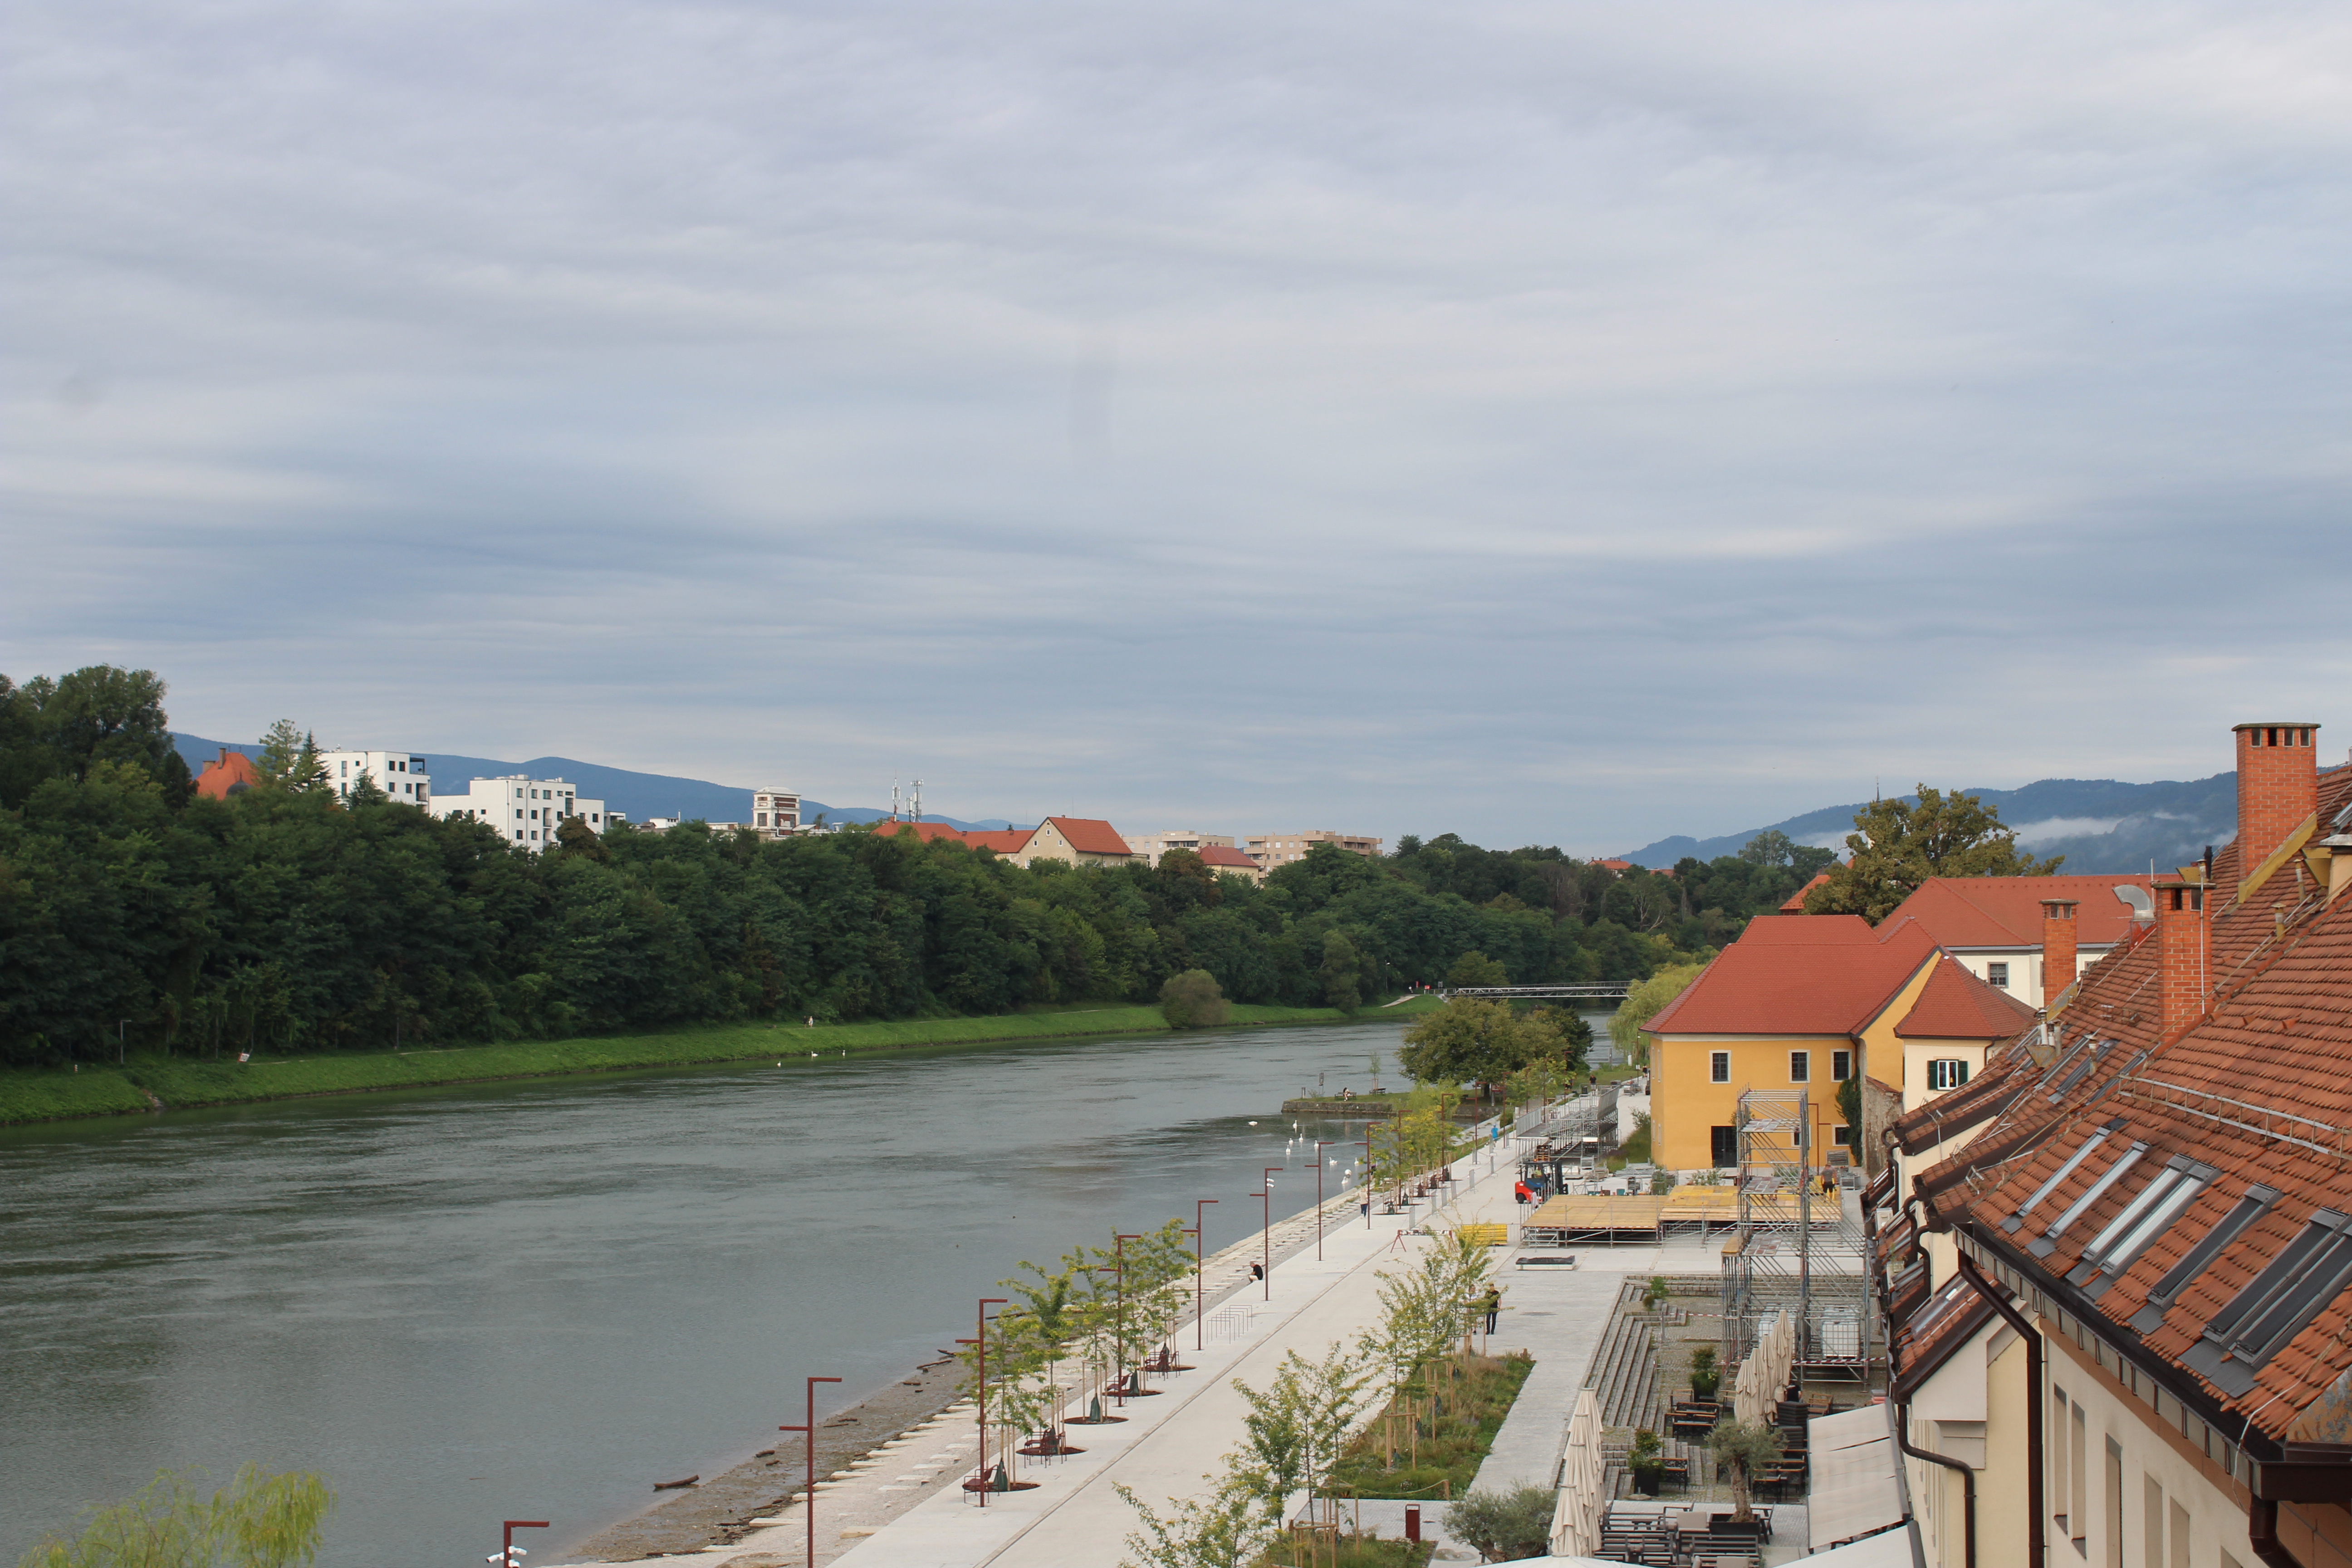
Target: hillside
(2100,825)
(634,794)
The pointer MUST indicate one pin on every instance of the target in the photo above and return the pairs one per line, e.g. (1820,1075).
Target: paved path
(1074,1518)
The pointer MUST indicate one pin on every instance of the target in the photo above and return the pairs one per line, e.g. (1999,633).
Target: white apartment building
(775,813)
(1273,849)
(1152,845)
(526,810)
(400,775)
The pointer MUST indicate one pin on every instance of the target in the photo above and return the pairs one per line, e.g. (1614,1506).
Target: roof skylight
(2276,1304)
(2048,1241)
(2150,1318)
(2146,1216)
(2016,1222)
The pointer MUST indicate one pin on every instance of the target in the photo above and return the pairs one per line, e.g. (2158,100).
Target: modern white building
(400,775)
(775,814)
(1152,845)
(526,810)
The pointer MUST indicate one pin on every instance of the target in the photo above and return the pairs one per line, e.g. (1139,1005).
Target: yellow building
(1798,1006)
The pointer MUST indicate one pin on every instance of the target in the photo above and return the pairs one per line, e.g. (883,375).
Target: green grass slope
(49,1094)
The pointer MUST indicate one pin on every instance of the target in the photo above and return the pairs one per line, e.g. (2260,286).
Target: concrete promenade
(1170,1442)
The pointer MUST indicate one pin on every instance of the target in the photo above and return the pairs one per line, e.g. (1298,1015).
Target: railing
(2196,1103)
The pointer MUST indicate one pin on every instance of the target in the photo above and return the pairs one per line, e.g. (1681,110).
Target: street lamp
(1367,1175)
(1320,1144)
(1200,1290)
(1118,1240)
(981,1327)
(510,1554)
(1266,1230)
(809,1448)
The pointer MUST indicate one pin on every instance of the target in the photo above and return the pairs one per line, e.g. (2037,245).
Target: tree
(1192,1001)
(258,1520)
(1770,848)
(1225,1530)
(1849,1102)
(1475,969)
(1472,1039)
(1504,1526)
(1899,845)
(574,837)
(1644,1002)
(1341,965)
(290,758)
(1746,1448)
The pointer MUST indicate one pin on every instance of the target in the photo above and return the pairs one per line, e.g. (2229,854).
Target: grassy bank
(51,1094)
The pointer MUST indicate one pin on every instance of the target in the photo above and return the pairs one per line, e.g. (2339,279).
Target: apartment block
(1150,847)
(526,811)
(1274,850)
(775,813)
(400,775)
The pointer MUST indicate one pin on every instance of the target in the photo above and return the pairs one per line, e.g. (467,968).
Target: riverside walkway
(903,1507)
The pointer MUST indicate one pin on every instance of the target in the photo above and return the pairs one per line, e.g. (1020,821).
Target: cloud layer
(1566,425)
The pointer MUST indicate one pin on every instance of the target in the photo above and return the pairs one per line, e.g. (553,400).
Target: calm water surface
(533,1301)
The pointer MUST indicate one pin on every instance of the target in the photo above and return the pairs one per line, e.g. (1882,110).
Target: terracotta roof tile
(1956,1005)
(1788,988)
(1218,858)
(1090,835)
(230,771)
(2006,912)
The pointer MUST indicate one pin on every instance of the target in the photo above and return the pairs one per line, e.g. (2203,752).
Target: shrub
(1504,1526)
(1192,1001)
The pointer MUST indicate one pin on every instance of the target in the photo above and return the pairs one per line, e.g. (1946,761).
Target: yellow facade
(1695,1098)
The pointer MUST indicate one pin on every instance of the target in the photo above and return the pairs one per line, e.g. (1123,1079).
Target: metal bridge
(1613,992)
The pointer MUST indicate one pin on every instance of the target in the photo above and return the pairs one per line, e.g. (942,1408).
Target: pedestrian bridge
(1613,991)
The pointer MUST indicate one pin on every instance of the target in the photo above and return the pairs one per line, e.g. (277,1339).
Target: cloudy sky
(1555,423)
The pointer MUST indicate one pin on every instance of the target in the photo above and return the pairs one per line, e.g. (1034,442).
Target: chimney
(2180,954)
(2278,787)
(2057,948)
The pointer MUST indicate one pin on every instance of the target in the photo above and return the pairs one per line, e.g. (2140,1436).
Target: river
(532,1300)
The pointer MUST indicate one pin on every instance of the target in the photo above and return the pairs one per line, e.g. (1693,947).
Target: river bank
(147,1084)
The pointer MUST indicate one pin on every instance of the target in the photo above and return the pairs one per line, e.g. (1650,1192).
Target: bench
(1545,1260)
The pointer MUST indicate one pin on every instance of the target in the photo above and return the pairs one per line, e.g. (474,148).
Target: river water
(532,1301)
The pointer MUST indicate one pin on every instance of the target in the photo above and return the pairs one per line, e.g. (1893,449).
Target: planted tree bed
(1435,1452)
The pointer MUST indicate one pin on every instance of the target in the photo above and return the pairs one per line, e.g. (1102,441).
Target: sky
(1564,424)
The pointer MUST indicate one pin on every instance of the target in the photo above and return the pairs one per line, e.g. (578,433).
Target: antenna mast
(917,814)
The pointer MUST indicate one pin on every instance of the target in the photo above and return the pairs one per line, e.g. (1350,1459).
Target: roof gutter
(2035,1549)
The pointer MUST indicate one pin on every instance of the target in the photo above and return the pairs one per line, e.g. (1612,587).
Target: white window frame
(1947,1072)
(1801,1067)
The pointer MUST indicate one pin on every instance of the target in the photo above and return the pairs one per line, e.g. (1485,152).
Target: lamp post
(1266,1230)
(809,1449)
(982,1329)
(508,1552)
(1118,1240)
(1367,1175)
(1200,1289)
(1320,1144)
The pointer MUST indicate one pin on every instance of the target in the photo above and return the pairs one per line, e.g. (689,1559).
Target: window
(1842,1136)
(2179,1533)
(1840,1066)
(1722,1147)
(1801,1067)
(1718,1067)
(1997,975)
(2151,1522)
(2276,1304)
(2113,1556)
(1947,1073)
(2144,1218)
(2078,1502)
(2057,1448)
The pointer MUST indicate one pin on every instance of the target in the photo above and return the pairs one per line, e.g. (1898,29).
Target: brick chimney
(2057,948)
(2278,787)
(2180,953)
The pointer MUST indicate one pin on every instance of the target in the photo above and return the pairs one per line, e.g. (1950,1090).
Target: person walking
(1494,1305)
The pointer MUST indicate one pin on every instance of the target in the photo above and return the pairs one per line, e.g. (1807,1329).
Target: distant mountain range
(635,796)
(2101,825)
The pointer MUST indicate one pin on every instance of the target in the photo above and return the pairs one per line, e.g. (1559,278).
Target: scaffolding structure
(1797,1248)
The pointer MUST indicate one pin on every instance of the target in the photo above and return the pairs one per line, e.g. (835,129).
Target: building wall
(1048,843)
(1150,847)
(775,814)
(400,775)
(2026,980)
(1686,1105)
(525,811)
(1917,1054)
(1273,849)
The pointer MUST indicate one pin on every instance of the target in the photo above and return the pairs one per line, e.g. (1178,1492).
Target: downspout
(2035,1517)
(1968,1480)
(2261,1534)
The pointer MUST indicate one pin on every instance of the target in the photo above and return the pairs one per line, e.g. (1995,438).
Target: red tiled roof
(1956,1005)
(926,831)
(232,770)
(1789,988)
(1218,857)
(1614,865)
(1004,840)
(1090,835)
(2006,912)
(1812,931)
(2258,1089)
(1796,904)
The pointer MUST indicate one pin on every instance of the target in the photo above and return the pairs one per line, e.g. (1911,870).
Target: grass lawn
(1438,1460)
(30,1094)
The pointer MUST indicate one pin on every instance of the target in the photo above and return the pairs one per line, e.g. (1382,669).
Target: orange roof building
(1230,862)
(1080,840)
(231,772)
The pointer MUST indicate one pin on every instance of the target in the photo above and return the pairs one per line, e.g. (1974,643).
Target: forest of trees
(132,910)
